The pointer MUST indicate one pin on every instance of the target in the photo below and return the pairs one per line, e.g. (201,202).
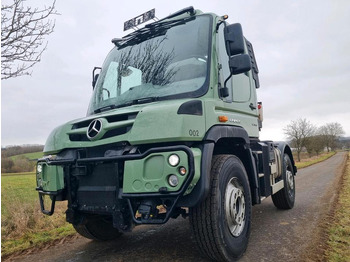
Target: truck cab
(172,129)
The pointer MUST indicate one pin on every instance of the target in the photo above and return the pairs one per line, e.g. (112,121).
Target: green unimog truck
(172,129)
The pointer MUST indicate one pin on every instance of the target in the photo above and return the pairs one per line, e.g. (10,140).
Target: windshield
(161,61)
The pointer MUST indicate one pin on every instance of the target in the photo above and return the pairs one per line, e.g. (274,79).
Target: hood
(161,121)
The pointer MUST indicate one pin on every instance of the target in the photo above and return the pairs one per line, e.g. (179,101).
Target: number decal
(193,132)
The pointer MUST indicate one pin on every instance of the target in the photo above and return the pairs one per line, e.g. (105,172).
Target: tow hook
(148,209)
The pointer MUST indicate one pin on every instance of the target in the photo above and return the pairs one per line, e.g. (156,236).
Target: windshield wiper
(145,100)
(104,108)
(139,101)
(125,104)
(130,103)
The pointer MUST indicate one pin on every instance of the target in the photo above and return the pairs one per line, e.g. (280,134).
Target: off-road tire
(209,220)
(98,228)
(285,198)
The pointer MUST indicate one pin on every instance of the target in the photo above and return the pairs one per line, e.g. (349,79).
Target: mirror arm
(222,20)
(218,25)
(93,76)
(224,90)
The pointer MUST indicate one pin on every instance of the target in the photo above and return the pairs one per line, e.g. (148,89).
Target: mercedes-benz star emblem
(94,129)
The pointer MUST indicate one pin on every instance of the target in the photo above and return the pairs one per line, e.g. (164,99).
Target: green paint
(50,178)
(159,122)
(150,174)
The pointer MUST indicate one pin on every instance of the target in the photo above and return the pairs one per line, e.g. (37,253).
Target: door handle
(252,106)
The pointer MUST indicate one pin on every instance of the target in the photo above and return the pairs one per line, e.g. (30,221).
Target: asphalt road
(276,235)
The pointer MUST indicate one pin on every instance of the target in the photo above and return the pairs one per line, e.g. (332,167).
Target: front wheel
(221,223)
(98,228)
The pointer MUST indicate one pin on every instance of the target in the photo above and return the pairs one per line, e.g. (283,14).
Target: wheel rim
(290,182)
(290,179)
(235,207)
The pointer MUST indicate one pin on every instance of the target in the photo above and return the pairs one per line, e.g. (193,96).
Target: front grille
(117,125)
(78,138)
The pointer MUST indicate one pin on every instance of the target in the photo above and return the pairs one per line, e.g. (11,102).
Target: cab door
(240,105)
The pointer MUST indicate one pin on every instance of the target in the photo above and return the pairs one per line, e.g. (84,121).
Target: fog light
(39,168)
(173,180)
(182,171)
(174,160)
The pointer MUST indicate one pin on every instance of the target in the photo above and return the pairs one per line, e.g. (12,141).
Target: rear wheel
(221,223)
(98,228)
(285,198)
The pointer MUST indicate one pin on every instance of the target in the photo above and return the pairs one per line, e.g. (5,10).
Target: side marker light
(223,118)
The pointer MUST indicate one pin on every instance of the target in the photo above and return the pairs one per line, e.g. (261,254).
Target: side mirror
(234,39)
(238,61)
(95,76)
(239,64)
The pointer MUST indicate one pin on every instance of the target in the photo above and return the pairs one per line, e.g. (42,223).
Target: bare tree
(315,144)
(330,133)
(299,132)
(23,32)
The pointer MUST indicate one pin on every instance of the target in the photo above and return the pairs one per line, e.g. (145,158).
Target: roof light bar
(140,19)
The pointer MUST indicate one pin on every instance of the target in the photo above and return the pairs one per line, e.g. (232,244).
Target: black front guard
(41,200)
(79,162)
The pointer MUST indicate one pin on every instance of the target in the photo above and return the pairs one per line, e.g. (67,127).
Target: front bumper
(144,176)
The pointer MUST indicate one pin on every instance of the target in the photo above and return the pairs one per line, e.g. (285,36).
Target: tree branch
(23,31)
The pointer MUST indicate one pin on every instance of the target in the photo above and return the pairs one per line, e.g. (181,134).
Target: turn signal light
(182,171)
(223,118)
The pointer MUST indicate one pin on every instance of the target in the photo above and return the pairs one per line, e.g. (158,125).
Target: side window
(241,87)
(223,60)
(238,85)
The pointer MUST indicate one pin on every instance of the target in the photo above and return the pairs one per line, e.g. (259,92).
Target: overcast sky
(302,49)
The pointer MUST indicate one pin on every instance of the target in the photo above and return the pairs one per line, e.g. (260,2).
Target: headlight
(39,168)
(174,160)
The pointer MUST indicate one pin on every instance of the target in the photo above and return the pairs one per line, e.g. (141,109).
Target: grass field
(308,161)
(19,188)
(339,232)
(30,156)
(22,223)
